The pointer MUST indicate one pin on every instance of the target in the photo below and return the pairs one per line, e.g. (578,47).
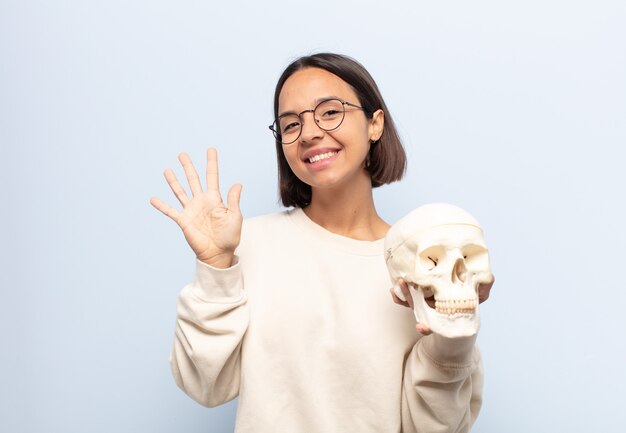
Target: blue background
(515,111)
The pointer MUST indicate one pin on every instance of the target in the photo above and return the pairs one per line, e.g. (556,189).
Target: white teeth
(321,156)
(453,306)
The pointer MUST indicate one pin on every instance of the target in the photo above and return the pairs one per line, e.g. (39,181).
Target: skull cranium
(439,250)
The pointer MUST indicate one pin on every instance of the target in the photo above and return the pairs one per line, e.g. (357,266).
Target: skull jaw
(447,325)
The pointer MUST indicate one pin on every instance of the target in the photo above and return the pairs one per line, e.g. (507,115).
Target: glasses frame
(274,127)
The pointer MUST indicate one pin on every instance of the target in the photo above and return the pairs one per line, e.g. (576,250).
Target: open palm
(212,230)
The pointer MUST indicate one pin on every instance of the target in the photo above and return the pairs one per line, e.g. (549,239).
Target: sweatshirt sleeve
(212,318)
(442,385)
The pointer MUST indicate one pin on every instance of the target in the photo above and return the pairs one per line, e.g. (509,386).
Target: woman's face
(327,159)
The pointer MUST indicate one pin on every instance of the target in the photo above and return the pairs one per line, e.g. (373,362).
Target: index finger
(212,172)
(398,300)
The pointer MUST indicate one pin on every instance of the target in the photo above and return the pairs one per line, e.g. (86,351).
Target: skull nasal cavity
(459,271)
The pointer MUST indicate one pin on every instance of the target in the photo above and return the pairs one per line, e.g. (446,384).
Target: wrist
(221,260)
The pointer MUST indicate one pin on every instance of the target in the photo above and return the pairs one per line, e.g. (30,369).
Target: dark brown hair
(387,160)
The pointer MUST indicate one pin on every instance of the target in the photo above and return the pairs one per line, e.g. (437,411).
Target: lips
(315,155)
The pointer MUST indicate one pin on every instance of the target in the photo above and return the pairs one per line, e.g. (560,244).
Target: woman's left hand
(484,290)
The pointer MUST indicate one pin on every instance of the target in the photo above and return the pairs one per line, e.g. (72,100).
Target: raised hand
(212,230)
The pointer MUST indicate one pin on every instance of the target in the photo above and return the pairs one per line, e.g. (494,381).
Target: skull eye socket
(429,258)
(476,257)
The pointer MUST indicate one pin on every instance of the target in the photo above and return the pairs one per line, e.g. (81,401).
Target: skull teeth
(453,306)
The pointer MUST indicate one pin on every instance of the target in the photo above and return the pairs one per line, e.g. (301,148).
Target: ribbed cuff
(450,352)
(218,285)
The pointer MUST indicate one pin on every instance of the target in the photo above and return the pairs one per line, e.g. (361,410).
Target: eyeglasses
(328,115)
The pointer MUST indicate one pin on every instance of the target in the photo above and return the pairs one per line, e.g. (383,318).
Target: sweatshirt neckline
(349,245)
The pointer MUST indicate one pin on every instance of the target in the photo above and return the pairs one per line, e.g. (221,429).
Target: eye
(476,256)
(289,127)
(329,110)
(330,113)
(429,258)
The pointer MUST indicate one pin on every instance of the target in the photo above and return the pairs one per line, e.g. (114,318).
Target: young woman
(291,311)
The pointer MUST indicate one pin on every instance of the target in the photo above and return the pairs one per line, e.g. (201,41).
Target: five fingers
(212,178)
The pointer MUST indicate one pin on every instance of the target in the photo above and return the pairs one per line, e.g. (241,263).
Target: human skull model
(439,250)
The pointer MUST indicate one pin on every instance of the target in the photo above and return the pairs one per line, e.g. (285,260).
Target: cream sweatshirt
(303,329)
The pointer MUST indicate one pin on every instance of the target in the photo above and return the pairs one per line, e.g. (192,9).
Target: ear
(376,126)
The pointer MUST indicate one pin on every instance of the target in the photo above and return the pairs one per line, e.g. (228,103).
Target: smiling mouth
(321,157)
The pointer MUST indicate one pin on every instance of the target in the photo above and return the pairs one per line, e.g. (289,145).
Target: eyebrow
(315,103)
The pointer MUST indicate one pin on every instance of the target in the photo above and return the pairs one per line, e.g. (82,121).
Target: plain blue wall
(514,111)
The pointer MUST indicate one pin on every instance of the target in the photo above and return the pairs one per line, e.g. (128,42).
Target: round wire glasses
(328,115)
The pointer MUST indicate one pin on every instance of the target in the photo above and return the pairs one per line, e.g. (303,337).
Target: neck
(347,211)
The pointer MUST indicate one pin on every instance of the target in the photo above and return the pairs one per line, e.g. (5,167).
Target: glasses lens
(329,114)
(289,127)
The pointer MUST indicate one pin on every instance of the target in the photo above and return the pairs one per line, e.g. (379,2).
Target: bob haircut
(387,159)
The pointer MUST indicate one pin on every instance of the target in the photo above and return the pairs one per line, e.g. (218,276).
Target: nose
(310,129)
(459,271)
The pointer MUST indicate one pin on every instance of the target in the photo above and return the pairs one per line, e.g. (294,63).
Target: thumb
(234,194)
